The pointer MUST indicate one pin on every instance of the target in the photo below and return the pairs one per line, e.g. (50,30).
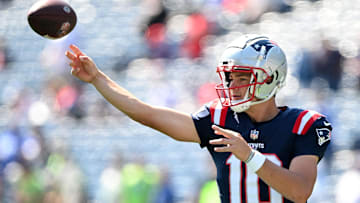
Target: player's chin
(237,98)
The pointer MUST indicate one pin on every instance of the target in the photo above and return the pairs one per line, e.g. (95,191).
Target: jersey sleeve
(315,140)
(202,121)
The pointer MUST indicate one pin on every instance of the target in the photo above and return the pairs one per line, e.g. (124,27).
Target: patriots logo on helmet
(266,43)
(324,135)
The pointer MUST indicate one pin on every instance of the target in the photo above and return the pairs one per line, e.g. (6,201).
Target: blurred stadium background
(61,142)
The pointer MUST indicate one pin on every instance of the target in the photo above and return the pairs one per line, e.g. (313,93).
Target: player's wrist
(255,160)
(97,77)
(250,156)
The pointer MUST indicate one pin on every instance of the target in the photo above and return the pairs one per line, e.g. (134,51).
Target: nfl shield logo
(254,134)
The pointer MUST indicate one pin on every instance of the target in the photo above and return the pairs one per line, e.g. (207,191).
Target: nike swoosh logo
(327,123)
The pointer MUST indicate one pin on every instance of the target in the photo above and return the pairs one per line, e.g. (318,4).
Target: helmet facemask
(229,95)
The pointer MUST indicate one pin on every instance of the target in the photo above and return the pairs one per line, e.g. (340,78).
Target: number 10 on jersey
(251,182)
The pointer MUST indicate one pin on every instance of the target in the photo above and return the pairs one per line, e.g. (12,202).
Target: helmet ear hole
(270,80)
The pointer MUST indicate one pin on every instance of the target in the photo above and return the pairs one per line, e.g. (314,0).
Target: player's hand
(233,142)
(83,67)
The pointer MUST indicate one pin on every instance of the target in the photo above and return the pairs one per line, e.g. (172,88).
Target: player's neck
(263,112)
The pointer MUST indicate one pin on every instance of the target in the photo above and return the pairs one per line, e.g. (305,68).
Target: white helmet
(260,57)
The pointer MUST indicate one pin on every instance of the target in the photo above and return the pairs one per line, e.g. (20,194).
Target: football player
(262,152)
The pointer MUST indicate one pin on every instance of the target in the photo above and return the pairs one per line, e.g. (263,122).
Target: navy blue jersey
(291,133)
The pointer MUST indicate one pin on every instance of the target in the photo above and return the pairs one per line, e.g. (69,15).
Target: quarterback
(262,152)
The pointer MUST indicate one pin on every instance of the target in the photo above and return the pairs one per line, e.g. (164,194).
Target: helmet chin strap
(245,106)
(241,107)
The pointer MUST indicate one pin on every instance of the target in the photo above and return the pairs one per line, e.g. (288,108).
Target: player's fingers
(85,59)
(226,133)
(222,149)
(74,64)
(76,50)
(70,55)
(220,141)
(74,71)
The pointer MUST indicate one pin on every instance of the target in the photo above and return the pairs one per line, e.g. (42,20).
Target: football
(52,19)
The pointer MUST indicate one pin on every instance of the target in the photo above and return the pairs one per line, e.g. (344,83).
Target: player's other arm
(175,124)
(295,183)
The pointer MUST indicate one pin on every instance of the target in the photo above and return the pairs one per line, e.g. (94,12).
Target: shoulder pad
(218,112)
(304,121)
(202,112)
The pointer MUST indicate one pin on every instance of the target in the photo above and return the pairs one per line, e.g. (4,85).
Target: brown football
(52,19)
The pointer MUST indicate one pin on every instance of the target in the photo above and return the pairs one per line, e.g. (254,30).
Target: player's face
(241,80)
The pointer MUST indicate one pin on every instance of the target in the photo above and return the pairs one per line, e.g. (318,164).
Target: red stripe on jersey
(309,123)
(223,115)
(298,121)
